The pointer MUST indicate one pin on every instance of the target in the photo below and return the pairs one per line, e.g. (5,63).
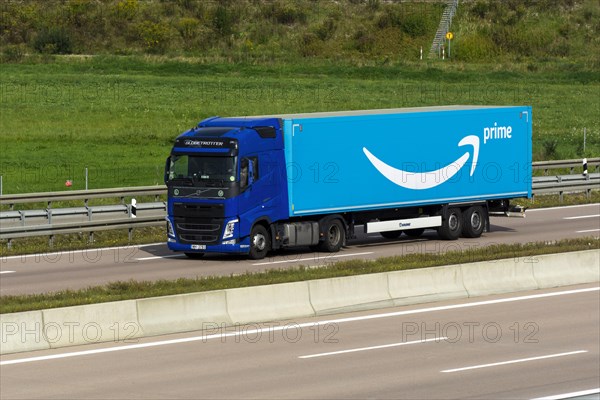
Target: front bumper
(241,247)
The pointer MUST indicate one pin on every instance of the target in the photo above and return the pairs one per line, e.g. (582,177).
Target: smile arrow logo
(431,179)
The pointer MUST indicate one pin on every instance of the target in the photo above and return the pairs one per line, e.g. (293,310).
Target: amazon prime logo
(431,179)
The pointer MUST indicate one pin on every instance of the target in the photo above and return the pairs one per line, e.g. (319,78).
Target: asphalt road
(79,269)
(513,346)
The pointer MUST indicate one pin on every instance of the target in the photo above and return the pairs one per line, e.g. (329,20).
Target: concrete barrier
(498,276)
(553,270)
(22,332)
(94,323)
(182,313)
(426,285)
(269,303)
(119,321)
(350,293)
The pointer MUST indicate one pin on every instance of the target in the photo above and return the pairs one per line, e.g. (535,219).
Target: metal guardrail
(85,195)
(563,164)
(565,184)
(540,185)
(90,227)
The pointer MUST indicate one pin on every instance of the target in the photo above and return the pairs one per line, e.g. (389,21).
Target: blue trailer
(248,185)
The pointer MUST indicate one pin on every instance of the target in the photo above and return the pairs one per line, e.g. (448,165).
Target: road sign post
(449,36)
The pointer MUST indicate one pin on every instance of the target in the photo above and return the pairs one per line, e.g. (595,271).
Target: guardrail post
(560,196)
(91,237)
(89,211)
(22,214)
(9,244)
(130,233)
(51,241)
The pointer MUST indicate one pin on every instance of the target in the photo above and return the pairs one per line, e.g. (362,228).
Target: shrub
(126,9)
(327,29)
(53,41)
(549,148)
(473,47)
(188,27)
(13,53)
(154,35)
(223,20)
(284,12)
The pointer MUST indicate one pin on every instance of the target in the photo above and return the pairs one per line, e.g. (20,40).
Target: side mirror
(167,165)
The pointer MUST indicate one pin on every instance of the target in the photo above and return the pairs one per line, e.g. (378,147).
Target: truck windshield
(202,168)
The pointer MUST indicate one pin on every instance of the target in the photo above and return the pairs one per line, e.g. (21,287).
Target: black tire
(260,242)
(391,234)
(334,236)
(194,256)
(414,233)
(473,222)
(452,226)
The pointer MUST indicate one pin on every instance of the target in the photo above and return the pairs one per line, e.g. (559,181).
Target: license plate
(198,247)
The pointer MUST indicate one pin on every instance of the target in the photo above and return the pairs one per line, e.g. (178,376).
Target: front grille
(193,210)
(198,230)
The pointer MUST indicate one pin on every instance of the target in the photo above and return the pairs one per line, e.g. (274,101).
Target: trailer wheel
(194,256)
(260,242)
(473,222)
(452,227)
(414,233)
(391,234)
(334,236)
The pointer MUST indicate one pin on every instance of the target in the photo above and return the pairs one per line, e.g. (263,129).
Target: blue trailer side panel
(364,162)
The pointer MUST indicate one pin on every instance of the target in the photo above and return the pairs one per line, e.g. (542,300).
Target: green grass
(118,116)
(133,290)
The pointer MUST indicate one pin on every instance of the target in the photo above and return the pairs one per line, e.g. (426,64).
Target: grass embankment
(134,290)
(119,116)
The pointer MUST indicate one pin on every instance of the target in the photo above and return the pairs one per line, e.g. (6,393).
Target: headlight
(170,230)
(229,229)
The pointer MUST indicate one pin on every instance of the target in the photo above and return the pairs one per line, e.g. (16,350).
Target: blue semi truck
(249,185)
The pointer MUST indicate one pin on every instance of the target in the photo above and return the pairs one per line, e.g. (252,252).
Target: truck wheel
(391,234)
(473,222)
(414,233)
(334,236)
(452,227)
(194,256)
(260,242)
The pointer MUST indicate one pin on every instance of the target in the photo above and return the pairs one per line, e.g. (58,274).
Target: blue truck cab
(248,185)
(224,178)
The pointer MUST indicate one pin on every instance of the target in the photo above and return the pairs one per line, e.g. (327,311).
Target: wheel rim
(453,222)
(475,220)
(334,234)
(259,241)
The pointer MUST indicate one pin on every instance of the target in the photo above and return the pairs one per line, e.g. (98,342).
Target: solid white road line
(303,325)
(583,216)
(384,346)
(564,207)
(515,361)
(569,395)
(588,230)
(7,272)
(315,258)
(160,257)
(58,253)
